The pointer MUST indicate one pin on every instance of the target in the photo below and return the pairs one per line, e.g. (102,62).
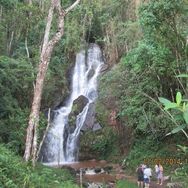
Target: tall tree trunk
(1,12)
(29,2)
(47,48)
(10,44)
(137,4)
(41,5)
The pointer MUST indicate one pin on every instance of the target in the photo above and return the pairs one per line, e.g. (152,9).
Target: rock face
(78,106)
(91,73)
(90,121)
(96,127)
(90,118)
(104,68)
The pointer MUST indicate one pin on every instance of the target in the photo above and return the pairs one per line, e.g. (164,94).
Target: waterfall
(61,145)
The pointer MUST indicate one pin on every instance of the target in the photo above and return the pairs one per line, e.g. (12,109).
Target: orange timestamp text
(166,161)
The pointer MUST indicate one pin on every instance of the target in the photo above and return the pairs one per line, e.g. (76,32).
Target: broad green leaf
(176,130)
(164,101)
(184,106)
(185,116)
(170,105)
(178,98)
(182,76)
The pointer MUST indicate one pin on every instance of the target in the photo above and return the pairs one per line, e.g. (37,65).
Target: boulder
(91,73)
(95,185)
(97,170)
(90,118)
(108,169)
(78,106)
(96,127)
(104,68)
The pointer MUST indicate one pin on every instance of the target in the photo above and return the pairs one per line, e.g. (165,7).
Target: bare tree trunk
(41,5)
(47,48)
(28,57)
(1,13)
(10,43)
(44,135)
(137,4)
(29,2)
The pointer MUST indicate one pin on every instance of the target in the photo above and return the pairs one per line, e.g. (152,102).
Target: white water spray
(61,146)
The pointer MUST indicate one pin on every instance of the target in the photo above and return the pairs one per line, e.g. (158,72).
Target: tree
(47,48)
(29,2)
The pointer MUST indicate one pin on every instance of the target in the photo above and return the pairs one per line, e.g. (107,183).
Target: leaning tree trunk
(47,48)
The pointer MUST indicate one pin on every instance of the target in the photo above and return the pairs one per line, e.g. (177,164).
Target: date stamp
(166,161)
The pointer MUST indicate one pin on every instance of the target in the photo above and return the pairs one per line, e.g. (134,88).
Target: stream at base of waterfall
(61,144)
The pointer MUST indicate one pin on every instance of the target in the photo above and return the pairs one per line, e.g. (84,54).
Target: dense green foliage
(148,71)
(151,48)
(19,56)
(14,97)
(101,144)
(15,173)
(124,183)
(21,34)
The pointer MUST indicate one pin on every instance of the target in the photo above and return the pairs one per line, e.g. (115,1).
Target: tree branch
(28,57)
(48,27)
(44,135)
(72,6)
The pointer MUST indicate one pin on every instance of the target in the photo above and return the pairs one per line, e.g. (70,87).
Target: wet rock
(91,73)
(80,103)
(90,171)
(108,169)
(85,184)
(104,68)
(97,170)
(78,172)
(61,101)
(97,127)
(111,185)
(95,185)
(90,118)
(174,185)
(78,106)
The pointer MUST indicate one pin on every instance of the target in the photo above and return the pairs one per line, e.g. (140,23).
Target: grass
(125,184)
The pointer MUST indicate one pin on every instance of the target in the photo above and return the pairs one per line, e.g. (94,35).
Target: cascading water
(61,145)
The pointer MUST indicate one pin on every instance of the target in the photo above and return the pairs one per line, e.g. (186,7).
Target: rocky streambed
(94,174)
